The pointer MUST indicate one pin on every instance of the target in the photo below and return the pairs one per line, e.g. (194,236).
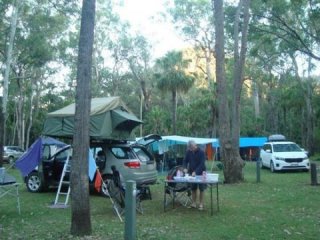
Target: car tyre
(272,167)
(261,164)
(11,160)
(34,182)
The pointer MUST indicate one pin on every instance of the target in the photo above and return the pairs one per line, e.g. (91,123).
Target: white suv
(279,154)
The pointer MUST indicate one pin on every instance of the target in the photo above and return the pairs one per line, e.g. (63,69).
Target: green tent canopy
(110,118)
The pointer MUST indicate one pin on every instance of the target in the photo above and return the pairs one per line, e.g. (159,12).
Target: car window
(291,147)
(142,154)
(62,156)
(13,148)
(267,147)
(95,150)
(122,152)
(18,149)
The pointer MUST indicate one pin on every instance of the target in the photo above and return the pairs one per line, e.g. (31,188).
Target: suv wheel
(261,164)
(272,167)
(11,160)
(34,182)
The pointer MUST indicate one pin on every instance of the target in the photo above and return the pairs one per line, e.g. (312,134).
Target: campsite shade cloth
(28,161)
(110,118)
(32,158)
(183,139)
(166,141)
(248,142)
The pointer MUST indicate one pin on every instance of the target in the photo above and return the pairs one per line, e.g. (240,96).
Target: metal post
(130,210)
(313,171)
(258,162)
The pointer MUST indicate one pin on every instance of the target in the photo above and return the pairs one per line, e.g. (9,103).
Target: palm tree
(172,77)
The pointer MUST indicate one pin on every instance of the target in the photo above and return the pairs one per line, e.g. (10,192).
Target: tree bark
(229,118)
(174,112)
(81,220)
(13,27)
(308,125)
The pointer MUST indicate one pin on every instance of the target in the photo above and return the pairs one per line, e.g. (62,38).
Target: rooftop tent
(110,118)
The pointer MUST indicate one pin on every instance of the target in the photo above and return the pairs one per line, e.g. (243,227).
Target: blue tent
(31,159)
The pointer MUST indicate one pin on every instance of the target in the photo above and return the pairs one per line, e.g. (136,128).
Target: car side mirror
(268,151)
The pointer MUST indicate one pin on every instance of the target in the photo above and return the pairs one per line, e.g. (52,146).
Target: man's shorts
(195,186)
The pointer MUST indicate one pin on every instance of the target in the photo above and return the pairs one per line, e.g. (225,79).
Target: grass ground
(281,206)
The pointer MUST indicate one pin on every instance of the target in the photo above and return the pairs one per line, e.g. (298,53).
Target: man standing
(194,164)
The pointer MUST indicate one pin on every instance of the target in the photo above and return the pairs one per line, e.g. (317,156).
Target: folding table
(197,180)
(9,187)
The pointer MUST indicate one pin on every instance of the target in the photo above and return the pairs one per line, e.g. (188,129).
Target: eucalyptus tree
(171,76)
(193,18)
(107,66)
(294,32)
(134,51)
(122,60)
(229,115)
(38,35)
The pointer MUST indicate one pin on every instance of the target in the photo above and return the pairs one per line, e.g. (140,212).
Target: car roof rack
(276,138)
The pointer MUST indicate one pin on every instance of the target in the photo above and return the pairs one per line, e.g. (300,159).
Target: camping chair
(117,193)
(9,186)
(177,192)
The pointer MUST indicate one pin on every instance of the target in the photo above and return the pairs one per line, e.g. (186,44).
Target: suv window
(142,154)
(290,147)
(122,152)
(267,147)
(12,148)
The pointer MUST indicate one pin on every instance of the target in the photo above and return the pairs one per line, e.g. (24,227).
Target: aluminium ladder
(62,197)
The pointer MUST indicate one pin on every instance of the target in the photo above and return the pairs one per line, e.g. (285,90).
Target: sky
(144,17)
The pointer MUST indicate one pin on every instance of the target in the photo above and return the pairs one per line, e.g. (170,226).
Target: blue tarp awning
(31,159)
(247,142)
(183,140)
(167,141)
(252,141)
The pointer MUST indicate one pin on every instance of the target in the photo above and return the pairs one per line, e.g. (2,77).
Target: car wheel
(261,164)
(11,160)
(272,167)
(34,182)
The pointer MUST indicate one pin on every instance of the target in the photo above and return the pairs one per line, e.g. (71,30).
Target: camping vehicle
(12,153)
(111,125)
(278,154)
(133,161)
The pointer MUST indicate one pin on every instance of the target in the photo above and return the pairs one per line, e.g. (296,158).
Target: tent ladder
(62,196)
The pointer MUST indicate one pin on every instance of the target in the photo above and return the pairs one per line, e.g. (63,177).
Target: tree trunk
(308,125)
(223,106)
(256,100)
(174,112)
(229,121)
(13,27)
(80,219)
(1,132)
